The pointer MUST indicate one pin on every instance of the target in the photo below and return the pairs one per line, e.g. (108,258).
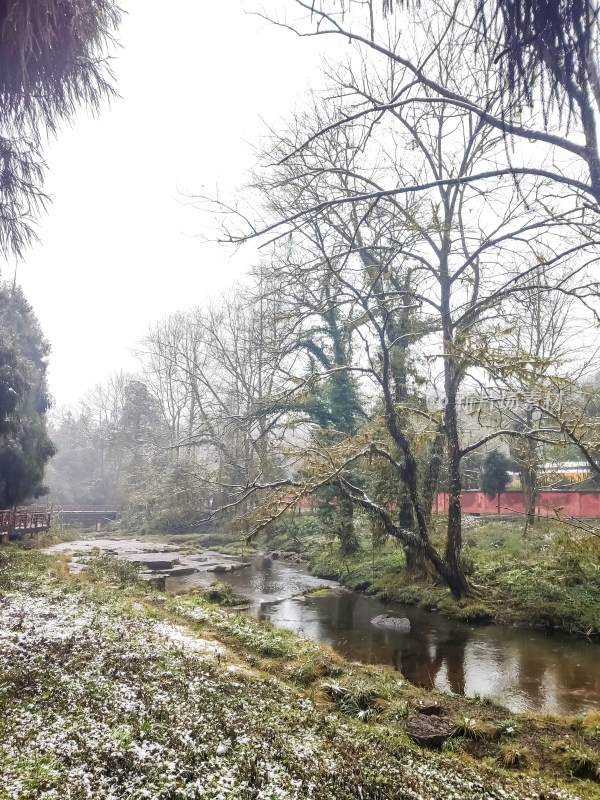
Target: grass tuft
(513,756)
(469,728)
(509,728)
(222,594)
(581,762)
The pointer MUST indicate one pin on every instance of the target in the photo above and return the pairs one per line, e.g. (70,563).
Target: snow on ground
(99,703)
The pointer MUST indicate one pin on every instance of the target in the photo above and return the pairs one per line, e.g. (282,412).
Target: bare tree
(388,203)
(544,66)
(212,369)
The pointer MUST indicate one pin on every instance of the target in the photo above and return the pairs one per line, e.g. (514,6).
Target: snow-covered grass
(104,695)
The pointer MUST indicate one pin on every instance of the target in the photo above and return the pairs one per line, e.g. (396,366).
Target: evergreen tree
(25,446)
(340,411)
(495,477)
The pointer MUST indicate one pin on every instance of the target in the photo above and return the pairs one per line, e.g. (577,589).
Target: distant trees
(172,442)
(106,442)
(215,378)
(25,447)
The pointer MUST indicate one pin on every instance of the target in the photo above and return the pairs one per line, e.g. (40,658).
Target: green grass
(547,579)
(123,682)
(115,571)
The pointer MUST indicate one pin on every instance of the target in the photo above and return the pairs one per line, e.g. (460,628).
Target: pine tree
(495,477)
(25,446)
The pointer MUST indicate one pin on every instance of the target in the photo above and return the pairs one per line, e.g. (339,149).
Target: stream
(524,670)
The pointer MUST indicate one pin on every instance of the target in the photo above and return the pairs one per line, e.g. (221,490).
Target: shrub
(107,567)
(356,699)
(398,710)
(452,746)
(509,727)
(222,594)
(485,700)
(469,728)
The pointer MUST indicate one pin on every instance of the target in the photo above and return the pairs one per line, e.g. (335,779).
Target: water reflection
(522,669)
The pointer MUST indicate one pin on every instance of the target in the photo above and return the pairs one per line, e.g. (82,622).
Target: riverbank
(111,689)
(548,579)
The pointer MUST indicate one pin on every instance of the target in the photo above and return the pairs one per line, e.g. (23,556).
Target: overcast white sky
(118,247)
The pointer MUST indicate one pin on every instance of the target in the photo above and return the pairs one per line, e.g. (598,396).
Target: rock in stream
(400,624)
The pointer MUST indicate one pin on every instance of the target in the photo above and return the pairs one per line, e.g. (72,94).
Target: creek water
(522,669)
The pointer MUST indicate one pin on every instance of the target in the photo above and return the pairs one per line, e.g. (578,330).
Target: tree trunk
(531,502)
(415,560)
(432,473)
(455,576)
(529,476)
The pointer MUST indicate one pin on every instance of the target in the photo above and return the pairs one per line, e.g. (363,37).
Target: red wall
(573,504)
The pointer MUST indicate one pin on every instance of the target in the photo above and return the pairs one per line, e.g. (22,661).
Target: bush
(222,594)
(107,567)
(509,727)
(514,757)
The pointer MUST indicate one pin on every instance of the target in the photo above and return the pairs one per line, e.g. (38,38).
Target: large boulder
(400,624)
(430,730)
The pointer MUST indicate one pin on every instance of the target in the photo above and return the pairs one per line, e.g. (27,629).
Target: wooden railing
(57,508)
(17,523)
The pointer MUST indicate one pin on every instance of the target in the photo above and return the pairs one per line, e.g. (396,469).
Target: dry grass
(513,757)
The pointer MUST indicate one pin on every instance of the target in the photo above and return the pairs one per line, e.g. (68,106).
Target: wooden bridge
(88,516)
(16,524)
(20,523)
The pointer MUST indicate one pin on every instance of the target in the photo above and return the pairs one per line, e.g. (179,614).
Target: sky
(121,246)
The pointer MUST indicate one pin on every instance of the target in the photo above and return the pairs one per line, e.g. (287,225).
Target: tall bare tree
(385,192)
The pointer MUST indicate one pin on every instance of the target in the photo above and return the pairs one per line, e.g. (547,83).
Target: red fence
(573,504)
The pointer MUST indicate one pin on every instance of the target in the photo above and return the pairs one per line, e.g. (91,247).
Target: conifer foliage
(495,476)
(52,61)
(25,446)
